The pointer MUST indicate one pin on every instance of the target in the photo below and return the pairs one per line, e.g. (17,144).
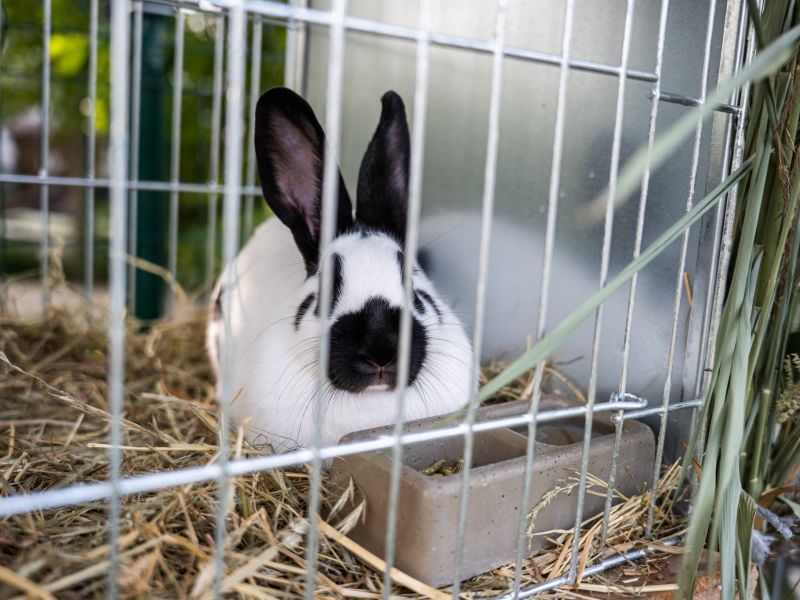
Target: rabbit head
(366,259)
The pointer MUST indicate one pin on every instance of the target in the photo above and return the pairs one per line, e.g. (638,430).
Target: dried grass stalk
(53,432)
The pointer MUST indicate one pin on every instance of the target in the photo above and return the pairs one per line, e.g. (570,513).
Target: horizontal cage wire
(522,128)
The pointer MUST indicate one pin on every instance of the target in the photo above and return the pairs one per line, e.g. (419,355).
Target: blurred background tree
(21,62)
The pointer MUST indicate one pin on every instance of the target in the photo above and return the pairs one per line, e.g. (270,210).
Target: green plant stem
(784,214)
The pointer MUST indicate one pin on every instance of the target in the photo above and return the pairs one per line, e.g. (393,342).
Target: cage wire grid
(229,60)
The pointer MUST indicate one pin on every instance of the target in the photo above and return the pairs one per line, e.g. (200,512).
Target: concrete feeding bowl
(427,516)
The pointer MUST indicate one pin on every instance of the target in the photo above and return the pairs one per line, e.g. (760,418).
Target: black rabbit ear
(383,177)
(290,149)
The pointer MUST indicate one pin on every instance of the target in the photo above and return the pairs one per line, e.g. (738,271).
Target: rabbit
(274,319)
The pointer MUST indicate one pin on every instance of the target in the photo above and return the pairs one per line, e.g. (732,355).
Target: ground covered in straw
(54,426)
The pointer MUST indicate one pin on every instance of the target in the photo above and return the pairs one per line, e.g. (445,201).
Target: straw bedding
(54,427)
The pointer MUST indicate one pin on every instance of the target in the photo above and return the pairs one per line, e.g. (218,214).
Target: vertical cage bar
(234,111)
(676,308)
(44,157)
(409,259)
(731,57)
(637,248)
(637,245)
(213,159)
(255,86)
(295,51)
(723,263)
(290,59)
(604,266)
(117,169)
(330,184)
(175,145)
(136,115)
(489,178)
(88,240)
(544,291)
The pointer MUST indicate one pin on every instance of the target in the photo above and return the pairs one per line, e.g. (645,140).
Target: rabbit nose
(381,365)
(388,366)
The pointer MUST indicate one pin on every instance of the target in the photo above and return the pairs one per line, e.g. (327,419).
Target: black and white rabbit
(274,318)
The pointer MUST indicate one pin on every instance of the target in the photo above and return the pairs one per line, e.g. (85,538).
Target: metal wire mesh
(238,190)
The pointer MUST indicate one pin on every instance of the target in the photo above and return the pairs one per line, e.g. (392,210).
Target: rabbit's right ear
(290,150)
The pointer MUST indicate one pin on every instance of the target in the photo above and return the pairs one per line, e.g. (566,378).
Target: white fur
(275,368)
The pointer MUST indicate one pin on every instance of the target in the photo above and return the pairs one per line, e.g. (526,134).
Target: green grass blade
(795,506)
(744,532)
(728,398)
(728,535)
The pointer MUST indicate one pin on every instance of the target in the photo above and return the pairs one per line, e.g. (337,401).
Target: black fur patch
(401,265)
(338,282)
(290,152)
(383,177)
(427,297)
(303,309)
(364,347)
(418,304)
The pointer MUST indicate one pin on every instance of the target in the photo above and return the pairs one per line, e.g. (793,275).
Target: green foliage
(68,53)
(744,458)
(22,61)
(70,108)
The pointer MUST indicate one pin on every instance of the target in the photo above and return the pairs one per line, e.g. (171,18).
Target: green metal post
(153,148)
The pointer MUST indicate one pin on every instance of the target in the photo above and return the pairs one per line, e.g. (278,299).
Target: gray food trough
(427,517)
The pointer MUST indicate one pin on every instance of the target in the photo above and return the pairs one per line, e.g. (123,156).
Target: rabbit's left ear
(382,199)
(290,148)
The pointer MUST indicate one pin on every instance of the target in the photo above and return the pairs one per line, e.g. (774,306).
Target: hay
(53,431)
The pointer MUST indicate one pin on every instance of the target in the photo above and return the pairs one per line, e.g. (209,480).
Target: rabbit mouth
(366,378)
(378,387)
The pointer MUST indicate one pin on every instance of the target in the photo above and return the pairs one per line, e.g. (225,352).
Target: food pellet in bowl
(440,467)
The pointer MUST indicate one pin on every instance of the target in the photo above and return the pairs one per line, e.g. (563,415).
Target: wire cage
(522,115)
